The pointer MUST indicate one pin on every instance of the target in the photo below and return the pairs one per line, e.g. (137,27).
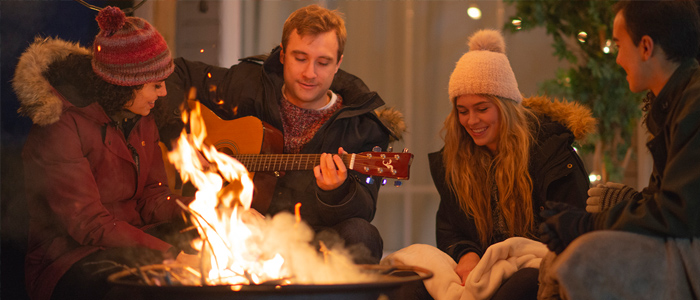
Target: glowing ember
(237,245)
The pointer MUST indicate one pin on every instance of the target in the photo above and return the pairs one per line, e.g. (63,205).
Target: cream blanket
(499,262)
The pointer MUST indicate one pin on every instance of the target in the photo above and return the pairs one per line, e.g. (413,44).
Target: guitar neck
(284,162)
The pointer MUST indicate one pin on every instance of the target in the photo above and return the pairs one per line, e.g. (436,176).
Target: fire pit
(244,255)
(384,280)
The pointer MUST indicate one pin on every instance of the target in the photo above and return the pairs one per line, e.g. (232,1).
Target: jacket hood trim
(574,116)
(393,120)
(38,100)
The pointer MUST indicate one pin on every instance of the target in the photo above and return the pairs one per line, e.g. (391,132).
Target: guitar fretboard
(283,162)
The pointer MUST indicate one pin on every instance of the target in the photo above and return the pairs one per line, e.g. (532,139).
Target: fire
(237,245)
(221,209)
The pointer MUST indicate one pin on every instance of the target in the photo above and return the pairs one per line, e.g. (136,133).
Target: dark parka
(254,88)
(670,205)
(556,170)
(85,191)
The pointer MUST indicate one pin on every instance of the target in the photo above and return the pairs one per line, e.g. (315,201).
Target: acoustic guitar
(257,145)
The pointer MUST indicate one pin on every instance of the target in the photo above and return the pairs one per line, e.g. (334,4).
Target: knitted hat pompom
(488,40)
(111,19)
(485,69)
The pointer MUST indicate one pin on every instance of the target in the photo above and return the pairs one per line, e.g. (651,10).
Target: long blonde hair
(471,170)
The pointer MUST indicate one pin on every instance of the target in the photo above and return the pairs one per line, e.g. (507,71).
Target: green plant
(582,34)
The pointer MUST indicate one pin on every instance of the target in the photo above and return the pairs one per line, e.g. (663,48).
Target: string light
(606,48)
(474,12)
(594,177)
(582,36)
(517,23)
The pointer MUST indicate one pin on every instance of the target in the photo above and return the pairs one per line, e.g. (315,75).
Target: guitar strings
(267,162)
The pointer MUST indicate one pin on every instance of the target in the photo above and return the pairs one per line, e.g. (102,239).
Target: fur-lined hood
(575,117)
(394,120)
(35,93)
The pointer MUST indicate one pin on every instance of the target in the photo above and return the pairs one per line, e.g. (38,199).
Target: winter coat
(85,191)
(669,206)
(556,170)
(254,88)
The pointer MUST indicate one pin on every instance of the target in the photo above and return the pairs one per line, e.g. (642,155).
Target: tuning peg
(384,182)
(377,149)
(405,150)
(389,149)
(369,180)
(397,183)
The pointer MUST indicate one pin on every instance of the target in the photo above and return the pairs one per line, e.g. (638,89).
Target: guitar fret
(376,164)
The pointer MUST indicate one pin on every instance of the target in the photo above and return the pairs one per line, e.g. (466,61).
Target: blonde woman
(503,158)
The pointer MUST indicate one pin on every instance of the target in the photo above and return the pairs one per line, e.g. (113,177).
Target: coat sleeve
(205,79)
(455,233)
(209,84)
(157,203)
(69,192)
(672,210)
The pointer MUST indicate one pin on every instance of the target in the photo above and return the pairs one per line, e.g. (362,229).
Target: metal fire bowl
(388,280)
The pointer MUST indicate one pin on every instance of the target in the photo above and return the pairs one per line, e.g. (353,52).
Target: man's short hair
(314,20)
(673,25)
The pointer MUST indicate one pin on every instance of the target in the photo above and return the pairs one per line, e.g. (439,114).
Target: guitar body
(247,135)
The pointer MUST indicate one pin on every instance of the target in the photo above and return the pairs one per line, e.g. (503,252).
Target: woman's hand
(466,265)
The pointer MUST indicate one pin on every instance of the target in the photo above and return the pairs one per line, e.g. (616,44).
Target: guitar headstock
(384,164)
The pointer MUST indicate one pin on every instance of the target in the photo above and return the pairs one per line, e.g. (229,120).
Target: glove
(604,196)
(563,223)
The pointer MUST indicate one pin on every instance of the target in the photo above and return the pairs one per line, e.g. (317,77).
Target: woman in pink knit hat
(504,156)
(96,184)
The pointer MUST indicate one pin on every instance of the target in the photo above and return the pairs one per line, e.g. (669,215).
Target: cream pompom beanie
(485,69)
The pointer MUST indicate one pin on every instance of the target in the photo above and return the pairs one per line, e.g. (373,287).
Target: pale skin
(310,63)
(331,172)
(480,118)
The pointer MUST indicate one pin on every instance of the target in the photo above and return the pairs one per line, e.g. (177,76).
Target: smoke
(294,241)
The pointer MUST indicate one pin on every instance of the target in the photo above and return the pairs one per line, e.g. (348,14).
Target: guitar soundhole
(225,150)
(227,147)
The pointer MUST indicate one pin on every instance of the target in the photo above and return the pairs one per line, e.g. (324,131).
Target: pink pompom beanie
(485,69)
(128,51)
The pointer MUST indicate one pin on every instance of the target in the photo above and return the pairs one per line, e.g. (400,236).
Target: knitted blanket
(498,263)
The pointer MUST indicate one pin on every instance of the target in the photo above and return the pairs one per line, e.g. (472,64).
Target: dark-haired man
(650,249)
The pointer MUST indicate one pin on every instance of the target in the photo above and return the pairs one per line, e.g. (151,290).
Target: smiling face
(630,56)
(145,98)
(310,63)
(481,118)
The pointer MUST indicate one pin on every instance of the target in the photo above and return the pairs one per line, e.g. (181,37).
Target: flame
(237,245)
(221,209)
